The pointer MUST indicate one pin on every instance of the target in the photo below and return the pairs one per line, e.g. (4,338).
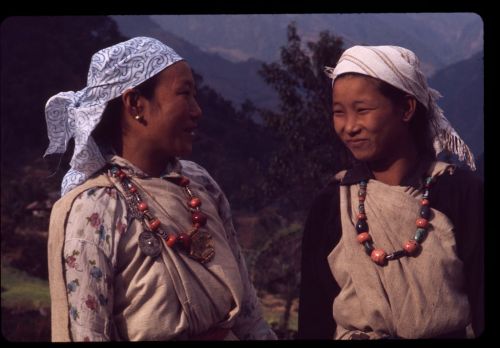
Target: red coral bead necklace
(412,246)
(197,242)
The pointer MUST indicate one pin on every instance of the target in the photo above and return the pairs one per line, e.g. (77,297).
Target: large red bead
(154,224)
(185,240)
(122,175)
(195,202)
(199,218)
(361,198)
(410,247)
(363,237)
(424,202)
(171,240)
(133,189)
(422,223)
(378,256)
(143,206)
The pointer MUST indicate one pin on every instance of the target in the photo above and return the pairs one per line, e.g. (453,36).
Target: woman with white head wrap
(393,247)
(141,244)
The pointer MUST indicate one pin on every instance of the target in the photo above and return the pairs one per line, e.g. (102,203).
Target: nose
(351,124)
(196,111)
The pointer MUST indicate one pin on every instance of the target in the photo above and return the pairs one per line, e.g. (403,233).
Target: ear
(132,102)
(410,108)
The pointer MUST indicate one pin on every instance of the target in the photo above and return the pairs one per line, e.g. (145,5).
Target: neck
(145,159)
(392,171)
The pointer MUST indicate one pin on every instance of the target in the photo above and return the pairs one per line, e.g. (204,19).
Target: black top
(451,195)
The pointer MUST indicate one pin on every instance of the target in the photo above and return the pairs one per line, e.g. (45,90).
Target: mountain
(462,87)
(439,39)
(236,81)
(40,57)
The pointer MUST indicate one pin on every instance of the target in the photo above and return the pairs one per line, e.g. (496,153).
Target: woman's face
(172,114)
(366,121)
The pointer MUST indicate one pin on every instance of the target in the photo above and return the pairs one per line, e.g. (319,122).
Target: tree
(308,155)
(278,270)
(310,152)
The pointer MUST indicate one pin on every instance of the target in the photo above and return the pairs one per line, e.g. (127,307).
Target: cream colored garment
(189,297)
(172,297)
(413,297)
(57,284)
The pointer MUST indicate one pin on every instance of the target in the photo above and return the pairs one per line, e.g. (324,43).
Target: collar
(360,171)
(357,173)
(172,169)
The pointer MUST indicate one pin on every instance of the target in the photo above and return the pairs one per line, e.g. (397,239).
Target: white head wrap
(76,114)
(400,68)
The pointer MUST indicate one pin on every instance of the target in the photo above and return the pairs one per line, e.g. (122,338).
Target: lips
(356,142)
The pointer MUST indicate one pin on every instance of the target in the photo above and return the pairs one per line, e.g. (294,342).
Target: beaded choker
(196,243)
(411,247)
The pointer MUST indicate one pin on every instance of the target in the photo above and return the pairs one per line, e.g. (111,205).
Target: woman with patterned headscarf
(393,247)
(141,244)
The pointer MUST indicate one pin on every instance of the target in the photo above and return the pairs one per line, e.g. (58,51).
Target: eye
(363,110)
(338,113)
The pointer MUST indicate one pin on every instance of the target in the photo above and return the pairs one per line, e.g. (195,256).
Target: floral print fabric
(96,222)
(95,225)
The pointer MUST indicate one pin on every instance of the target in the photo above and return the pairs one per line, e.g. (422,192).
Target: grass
(273,308)
(21,291)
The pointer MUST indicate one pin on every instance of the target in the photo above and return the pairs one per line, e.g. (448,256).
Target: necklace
(411,247)
(196,243)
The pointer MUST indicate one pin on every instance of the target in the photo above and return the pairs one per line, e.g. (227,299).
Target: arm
(318,287)
(95,223)
(461,197)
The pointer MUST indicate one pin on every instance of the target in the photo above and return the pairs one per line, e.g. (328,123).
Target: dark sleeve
(461,198)
(318,287)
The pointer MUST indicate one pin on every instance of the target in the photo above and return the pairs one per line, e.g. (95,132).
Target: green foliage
(277,269)
(21,291)
(310,153)
(232,147)
(279,256)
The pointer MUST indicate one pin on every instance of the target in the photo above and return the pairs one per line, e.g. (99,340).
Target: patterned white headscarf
(400,68)
(76,114)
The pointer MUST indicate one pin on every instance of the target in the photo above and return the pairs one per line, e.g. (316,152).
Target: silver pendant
(149,244)
(202,247)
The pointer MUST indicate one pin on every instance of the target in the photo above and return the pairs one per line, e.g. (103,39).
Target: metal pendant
(149,244)
(202,249)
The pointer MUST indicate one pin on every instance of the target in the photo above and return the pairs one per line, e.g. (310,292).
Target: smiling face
(369,123)
(172,114)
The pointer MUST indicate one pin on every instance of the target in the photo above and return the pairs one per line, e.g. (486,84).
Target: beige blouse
(114,292)
(411,297)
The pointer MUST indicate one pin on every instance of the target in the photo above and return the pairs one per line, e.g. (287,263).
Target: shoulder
(96,215)
(459,194)
(460,180)
(326,202)
(200,175)
(105,202)
(194,170)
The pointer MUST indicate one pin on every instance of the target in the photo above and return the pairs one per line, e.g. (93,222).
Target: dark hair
(419,124)
(108,132)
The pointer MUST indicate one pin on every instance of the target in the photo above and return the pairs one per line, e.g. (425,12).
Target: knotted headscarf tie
(75,115)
